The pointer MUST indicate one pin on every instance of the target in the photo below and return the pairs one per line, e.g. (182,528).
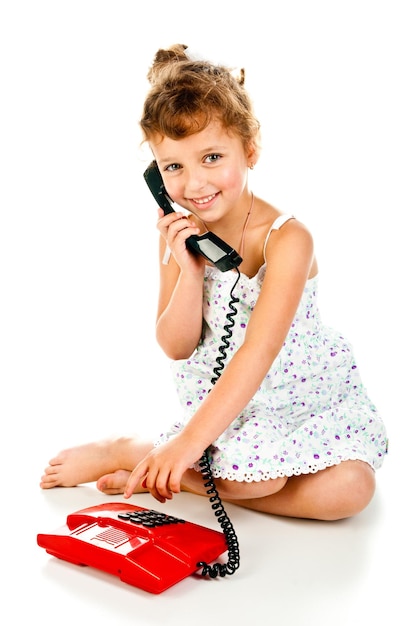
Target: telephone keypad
(142,547)
(150,519)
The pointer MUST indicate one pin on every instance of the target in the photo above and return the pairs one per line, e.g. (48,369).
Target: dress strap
(280,221)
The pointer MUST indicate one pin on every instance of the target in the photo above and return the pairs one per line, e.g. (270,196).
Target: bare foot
(113,484)
(89,462)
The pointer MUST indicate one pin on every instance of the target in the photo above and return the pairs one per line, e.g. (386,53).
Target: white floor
(78,287)
(360,571)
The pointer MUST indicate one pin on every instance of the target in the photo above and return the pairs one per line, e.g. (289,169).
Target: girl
(289,427)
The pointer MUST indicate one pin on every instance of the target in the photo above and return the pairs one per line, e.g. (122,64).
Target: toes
(50,478)
(55,461)
(114,483)
(47,484)
(107,485)
(50,470)
(111,492)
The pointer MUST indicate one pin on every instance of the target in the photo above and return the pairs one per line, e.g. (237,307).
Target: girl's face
(206,173)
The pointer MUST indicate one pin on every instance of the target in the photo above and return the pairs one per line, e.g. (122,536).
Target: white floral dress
(311,410)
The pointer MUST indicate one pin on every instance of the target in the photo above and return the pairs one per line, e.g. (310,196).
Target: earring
(251,166)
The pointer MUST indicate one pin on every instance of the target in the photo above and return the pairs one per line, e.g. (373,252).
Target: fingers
(161,485)
(135,477)
(174,225)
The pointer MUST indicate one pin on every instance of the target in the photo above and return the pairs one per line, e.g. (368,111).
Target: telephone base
(143,547)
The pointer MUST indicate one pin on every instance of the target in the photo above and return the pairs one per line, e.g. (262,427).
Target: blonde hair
(186,95)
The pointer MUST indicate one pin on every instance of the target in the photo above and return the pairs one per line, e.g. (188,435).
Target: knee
(353,490)
(234,490)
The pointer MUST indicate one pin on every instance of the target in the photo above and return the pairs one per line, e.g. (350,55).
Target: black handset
(224,257)
(217,251)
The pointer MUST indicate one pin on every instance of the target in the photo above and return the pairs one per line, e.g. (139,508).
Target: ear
(252,155)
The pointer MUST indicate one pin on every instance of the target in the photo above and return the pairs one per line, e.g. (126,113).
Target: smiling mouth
(204,200)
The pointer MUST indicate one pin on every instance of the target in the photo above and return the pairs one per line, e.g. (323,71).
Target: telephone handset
(224,257)
(146,548)
(217,251)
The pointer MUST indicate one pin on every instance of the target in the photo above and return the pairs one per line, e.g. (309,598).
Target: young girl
(287,422)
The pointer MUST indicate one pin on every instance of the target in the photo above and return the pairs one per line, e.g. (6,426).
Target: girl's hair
(186,95)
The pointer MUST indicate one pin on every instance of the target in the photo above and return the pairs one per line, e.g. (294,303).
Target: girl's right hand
(175,228)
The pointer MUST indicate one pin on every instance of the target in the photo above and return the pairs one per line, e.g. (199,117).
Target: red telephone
(145,548)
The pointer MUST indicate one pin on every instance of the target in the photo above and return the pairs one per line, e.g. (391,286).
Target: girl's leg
(89,462)
(334,493)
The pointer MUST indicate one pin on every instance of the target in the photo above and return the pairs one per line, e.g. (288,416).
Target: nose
(195,180)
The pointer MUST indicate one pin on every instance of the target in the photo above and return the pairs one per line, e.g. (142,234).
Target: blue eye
(212,158)
(172,168)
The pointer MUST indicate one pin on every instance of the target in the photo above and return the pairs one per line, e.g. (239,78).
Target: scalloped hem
(259,476)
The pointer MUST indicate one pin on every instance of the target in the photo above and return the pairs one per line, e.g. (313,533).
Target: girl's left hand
(162,469)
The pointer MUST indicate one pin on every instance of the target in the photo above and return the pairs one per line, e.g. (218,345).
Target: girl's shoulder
(280,220)
(289,239)
(276,219)
(276,226)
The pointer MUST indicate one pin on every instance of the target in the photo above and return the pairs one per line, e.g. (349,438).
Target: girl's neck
(246,223)
(232,240)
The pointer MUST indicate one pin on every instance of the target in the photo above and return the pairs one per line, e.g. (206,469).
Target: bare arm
(289,257)
(179,315)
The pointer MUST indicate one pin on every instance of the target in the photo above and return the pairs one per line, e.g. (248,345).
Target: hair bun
(163,58)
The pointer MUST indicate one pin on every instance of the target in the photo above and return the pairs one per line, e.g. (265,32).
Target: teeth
(204,200)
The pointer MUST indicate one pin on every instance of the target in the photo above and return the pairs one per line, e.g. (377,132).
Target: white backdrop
(335,88)
(335,85)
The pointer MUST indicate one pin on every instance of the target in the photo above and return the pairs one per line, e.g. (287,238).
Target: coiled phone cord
(233,562)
